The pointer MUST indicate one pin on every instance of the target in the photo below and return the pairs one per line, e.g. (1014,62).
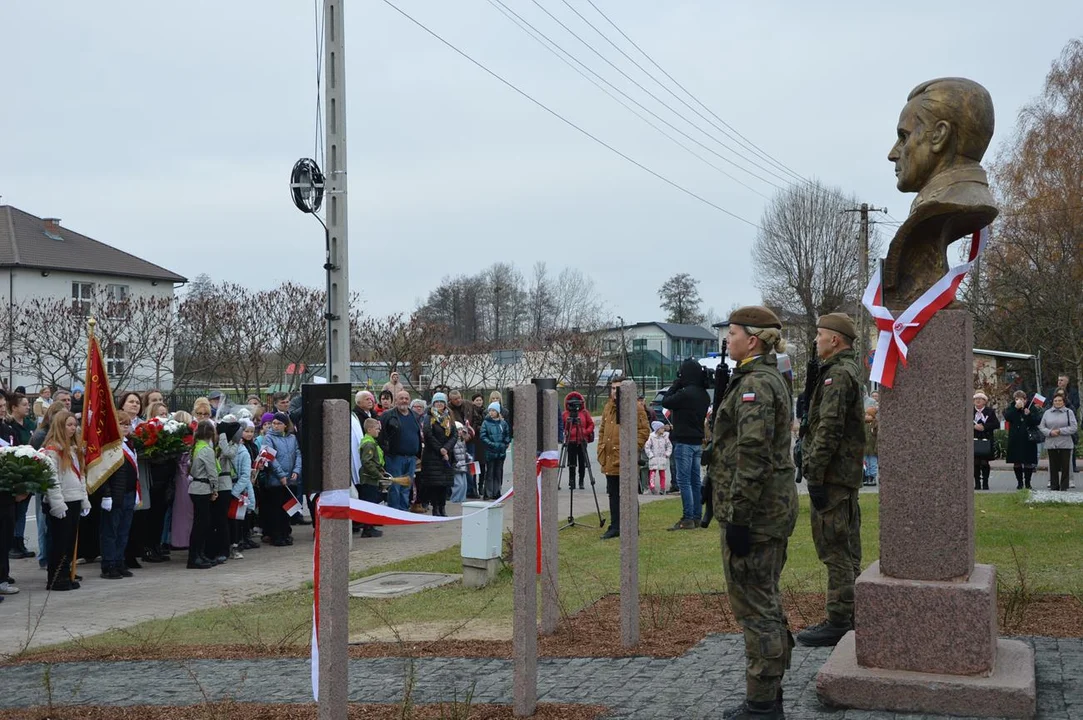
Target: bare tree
(1027,298)
(807,254)
(680,298)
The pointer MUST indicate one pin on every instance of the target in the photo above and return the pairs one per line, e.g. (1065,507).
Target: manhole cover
(397,584)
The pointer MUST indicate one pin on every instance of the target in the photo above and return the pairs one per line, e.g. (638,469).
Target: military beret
(754,316)
(838,322)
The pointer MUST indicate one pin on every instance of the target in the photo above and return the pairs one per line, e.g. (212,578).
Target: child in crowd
(496,436)
(659,449)
(872,430)
(463,460)
(372,471)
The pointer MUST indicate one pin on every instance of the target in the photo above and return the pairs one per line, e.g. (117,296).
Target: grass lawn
(1047,540)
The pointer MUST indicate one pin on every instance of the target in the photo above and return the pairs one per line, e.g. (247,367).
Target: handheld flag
(1038,400)
(238,506)
(266,455)
(102,440)
(291,506)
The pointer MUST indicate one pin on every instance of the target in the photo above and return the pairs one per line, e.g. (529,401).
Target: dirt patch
(669,626)
(263,711)
(476,629)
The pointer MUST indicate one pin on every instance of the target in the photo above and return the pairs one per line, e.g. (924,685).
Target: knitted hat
(282,418)
(266,418)
(494,406)
(656,425)
(439,397)
(76,388)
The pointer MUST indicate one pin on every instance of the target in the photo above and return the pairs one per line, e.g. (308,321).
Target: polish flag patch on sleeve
(827,381)
(748,397)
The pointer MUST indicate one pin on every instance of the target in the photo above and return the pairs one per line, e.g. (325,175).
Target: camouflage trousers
(836,533)
(752,583)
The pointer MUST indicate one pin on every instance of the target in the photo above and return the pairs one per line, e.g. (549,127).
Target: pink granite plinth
(926,449)
(1009,691)
(927,625)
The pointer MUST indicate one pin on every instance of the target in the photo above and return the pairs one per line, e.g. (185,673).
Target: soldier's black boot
(826,634)
(757,710)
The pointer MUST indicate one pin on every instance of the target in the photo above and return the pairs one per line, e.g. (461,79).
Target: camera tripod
(561,464)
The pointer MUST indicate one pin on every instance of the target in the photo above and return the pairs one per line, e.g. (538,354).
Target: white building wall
(24,284)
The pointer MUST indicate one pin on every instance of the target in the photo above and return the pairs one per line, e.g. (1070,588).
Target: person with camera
(832,459)
(609,451)
(756,502)
(985,422)
(578,428)
(687,401)
(1022,419)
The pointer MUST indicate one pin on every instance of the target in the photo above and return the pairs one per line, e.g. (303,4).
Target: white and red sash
(129,455)
(896,333)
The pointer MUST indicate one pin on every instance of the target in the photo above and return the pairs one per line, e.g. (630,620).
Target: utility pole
(338,321)
(862,333)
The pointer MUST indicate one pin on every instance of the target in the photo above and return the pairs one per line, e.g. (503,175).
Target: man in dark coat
(687,400)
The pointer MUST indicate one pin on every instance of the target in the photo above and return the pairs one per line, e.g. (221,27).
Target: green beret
(838,322)
(754,316)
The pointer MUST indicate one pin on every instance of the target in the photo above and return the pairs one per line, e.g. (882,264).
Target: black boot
(614,518)
(1018,477)
(826,634)
(1027,473)
(977,478)
(985,470)
(758,710)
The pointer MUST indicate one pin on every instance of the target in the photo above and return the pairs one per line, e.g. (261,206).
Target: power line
(566,121)
(549,44)
(661,102)
(748,144)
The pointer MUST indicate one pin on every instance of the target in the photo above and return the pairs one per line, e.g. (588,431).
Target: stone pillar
(925,635)
(549,516)
(629,515)
(525,552)
(334,550)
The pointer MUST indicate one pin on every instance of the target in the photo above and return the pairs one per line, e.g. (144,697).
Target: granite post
(550,614)
(629,515)
(525,552)
(334,550)
(925,636)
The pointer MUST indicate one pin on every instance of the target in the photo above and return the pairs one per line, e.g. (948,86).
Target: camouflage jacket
(751,467)
(834,447)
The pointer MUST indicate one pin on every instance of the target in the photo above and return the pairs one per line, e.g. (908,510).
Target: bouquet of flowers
(25,471)
(161,441)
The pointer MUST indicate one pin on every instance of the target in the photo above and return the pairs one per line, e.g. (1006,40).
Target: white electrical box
(482,530)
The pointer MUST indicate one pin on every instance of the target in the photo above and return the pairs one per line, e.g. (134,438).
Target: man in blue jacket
(687,400)
(400,438)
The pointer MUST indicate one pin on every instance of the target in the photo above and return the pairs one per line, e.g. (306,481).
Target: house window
(116,302)
(81,297)
(639,344)
(114,359)
(117,293)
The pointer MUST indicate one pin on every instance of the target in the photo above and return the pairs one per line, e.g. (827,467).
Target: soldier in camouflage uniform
(756,501)
(832,465)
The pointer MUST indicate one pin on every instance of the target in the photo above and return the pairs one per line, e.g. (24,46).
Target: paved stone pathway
(699,684)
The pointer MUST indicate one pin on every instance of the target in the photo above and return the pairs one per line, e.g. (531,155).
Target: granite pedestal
(925,637)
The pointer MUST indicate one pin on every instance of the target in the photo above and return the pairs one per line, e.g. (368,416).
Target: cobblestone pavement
(699,684)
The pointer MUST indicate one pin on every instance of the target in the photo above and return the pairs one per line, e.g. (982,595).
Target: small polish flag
(238,507)
(1038,400)
(475,468)
(748,397)
(292,507)
(827,381)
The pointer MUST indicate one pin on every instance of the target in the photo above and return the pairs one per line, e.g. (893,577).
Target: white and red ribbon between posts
(897,333)
(339,505)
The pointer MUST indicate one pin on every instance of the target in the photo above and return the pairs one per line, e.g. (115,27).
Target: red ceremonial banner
(102,441)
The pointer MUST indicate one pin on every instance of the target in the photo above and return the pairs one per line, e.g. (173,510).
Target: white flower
(25,451)
(172,426)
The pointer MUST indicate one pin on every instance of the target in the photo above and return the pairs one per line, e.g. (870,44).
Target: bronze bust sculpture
(944,130)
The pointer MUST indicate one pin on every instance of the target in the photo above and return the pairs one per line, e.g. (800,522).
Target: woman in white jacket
(65,501)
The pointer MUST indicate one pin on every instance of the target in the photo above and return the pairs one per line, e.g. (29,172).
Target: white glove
(84,512)
(107,504)
(58,511)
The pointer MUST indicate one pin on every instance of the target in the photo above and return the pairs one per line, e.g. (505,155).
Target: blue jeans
(686,457)
(114,526)
(398,496)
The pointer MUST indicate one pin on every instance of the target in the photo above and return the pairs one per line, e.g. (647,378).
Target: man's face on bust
(915,161)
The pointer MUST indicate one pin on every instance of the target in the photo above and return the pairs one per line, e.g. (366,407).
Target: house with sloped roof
(44,264)
(654,350)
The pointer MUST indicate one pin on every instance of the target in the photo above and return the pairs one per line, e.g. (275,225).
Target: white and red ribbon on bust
(339,505)
(896,333)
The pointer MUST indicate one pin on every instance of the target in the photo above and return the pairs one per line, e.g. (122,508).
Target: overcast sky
(169,129)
